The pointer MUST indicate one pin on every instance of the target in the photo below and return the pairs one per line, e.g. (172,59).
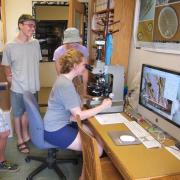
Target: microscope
(106,81)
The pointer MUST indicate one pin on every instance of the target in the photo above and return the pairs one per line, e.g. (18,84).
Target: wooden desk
(136,161)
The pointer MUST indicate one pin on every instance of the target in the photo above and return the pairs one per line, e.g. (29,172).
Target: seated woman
(64,103)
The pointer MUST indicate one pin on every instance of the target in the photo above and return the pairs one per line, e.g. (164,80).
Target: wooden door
(76,15)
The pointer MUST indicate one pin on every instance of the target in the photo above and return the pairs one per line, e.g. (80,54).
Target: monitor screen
(160,94)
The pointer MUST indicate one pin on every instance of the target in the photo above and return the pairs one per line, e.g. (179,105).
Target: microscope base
(117,106)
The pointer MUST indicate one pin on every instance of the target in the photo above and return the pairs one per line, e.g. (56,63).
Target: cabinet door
(76,15)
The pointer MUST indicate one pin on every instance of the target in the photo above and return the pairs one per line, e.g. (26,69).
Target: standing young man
(21,60)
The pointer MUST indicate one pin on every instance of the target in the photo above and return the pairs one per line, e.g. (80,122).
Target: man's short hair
(26,17)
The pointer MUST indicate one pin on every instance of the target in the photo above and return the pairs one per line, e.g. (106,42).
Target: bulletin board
(2,24)
(158,25)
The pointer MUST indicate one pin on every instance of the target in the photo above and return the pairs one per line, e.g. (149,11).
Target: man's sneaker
(8,166)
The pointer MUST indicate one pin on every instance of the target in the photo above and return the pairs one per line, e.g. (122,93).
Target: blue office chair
(36,130)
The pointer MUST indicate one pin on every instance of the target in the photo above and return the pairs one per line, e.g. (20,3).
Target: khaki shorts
(3,122)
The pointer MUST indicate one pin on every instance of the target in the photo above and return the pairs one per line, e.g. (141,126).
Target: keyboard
(142,135)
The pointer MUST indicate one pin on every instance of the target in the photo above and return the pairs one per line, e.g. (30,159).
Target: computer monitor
(159,98)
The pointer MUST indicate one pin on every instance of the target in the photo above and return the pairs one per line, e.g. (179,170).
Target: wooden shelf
(104,11)
(97,31)
(123,12)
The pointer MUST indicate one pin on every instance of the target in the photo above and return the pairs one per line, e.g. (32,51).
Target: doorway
(53,17)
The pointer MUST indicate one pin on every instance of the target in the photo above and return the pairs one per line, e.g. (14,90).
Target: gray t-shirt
(23,58)
(63,97)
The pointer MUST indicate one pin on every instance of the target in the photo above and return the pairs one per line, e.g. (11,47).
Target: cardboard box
(2,74)
(5,104)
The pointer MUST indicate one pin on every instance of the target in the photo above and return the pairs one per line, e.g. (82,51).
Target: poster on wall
(157,25)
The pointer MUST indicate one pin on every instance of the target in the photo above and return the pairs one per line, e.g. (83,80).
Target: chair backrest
(36,126)
(91,160)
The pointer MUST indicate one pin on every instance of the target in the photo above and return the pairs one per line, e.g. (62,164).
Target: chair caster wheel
(28,178)
(27,160)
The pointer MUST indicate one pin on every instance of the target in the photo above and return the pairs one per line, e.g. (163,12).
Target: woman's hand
(72,118)
(106,103)
(9,78)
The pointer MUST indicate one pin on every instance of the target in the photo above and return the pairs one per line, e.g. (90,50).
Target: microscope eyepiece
(88,67)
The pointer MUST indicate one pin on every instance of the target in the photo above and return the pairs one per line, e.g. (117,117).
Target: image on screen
(160,92)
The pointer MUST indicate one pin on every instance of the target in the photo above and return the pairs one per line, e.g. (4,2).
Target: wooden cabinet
(123,11)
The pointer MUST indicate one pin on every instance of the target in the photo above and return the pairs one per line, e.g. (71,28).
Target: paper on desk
(174,150)
(111,118)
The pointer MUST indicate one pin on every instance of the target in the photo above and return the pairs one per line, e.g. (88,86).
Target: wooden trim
(76,7)
(124,11)
(71,14)
(3,17)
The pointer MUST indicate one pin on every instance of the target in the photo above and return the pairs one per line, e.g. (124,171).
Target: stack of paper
(111,118)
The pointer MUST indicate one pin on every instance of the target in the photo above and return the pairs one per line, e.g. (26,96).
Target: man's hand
(8,74)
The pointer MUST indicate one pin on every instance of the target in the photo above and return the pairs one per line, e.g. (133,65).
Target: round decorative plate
(140,36)
(168,22)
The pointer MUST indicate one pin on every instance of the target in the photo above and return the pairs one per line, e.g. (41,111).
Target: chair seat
(108,170)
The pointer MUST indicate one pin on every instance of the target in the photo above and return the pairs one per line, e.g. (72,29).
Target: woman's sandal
(23,148)
(27,141)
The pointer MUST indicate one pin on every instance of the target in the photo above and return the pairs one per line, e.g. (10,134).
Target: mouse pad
(115,136)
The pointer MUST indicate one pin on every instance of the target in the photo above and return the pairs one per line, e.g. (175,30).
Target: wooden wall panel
(124,11)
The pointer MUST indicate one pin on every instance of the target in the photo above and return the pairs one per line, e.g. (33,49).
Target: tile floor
(72,172)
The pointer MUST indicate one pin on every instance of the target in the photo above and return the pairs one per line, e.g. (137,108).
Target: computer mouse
(127,138)
(177,144)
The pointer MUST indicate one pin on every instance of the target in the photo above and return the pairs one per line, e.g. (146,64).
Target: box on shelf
(5,104)
(2,74)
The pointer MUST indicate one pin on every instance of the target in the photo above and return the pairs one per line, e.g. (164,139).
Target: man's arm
(8,73)
(57,67)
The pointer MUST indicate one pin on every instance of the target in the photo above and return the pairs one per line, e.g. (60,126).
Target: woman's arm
(84,114)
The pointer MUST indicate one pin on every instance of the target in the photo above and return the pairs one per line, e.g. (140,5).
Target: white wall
(47,74)
(13,9)
(139,57)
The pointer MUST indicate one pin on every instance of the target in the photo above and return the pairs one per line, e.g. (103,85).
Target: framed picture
(2,24)
(157,25)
